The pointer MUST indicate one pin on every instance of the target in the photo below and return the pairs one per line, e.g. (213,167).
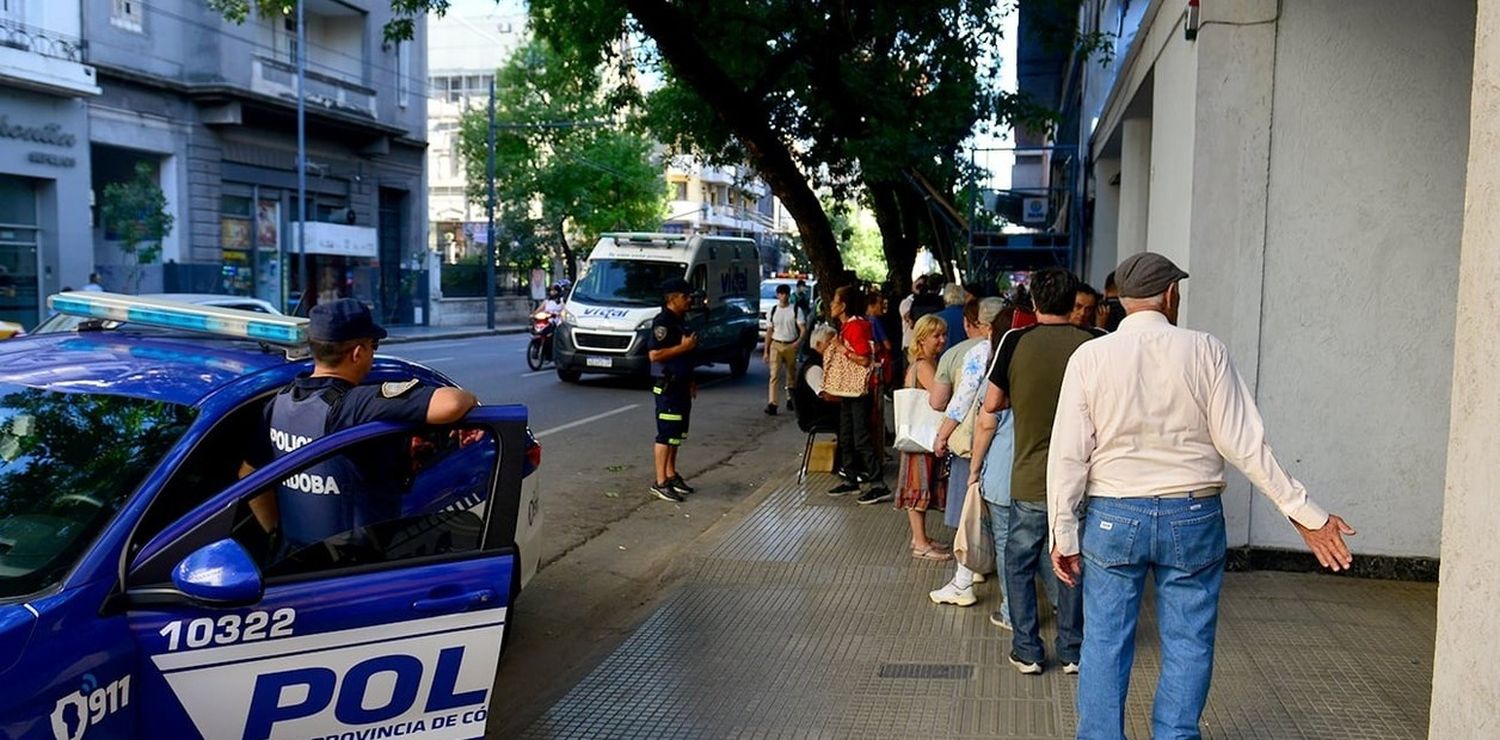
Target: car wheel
(568,376)
(534,355)
(741,363)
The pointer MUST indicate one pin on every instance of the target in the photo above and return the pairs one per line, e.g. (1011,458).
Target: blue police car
(142,589)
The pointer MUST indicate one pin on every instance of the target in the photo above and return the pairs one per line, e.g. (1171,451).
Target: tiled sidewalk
(809,620)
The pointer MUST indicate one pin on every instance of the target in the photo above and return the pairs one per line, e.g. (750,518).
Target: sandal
(935,545)
(931,553)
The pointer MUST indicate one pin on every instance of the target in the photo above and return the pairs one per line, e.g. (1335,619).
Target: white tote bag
(916,421)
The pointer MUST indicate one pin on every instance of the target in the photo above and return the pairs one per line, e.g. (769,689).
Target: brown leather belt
(1201,493)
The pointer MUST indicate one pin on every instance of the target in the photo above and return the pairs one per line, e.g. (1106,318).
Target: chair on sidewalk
(814,415)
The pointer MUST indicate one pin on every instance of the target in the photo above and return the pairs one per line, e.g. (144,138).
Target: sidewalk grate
(938,671)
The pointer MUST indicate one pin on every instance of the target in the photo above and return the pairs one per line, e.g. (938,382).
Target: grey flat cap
(1146,274)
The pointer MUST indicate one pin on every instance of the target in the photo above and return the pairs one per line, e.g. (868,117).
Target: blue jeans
(1000,530)
(1181,542)
(1027,555)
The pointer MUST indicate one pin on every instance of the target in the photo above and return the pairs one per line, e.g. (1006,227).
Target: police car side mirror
(219,574)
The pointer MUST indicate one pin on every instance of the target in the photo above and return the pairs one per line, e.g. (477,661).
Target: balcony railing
(279,79)
(41,41)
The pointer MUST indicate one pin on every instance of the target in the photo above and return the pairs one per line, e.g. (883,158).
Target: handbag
(916,421)
(961,440)
(842,376)
(971,545)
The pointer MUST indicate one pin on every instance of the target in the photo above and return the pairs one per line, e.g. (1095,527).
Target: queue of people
(1095,431)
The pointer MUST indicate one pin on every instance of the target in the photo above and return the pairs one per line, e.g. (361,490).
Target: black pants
(857,451)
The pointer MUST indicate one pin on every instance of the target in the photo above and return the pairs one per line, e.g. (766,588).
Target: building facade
(45,83)
(728,201)
(1242,145)
(1325,173)
(210,106)
(463,52)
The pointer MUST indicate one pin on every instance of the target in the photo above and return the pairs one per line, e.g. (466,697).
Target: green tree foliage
(561,146)
(136,212)
(859,240)
(876,96)
(816,95)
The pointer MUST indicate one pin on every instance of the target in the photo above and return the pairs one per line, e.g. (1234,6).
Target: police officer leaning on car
(670,347)
(336,498)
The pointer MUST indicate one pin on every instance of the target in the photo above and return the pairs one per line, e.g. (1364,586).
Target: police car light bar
(225,322)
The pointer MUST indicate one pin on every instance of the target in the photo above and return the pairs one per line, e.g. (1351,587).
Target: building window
(403,74)
(127,14)
(681,186)
(289,25)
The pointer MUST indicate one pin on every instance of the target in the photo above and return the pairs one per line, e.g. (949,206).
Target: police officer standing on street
(670,348)
(333,500)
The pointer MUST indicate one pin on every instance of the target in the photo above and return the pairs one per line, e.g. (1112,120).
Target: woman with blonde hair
(920,483)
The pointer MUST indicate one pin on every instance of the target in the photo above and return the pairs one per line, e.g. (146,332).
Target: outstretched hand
(1069,568)
(1327,542)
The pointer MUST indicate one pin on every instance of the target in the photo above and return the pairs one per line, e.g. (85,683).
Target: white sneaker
(950,593)
(1070,668)
(979,578)
(1030,669)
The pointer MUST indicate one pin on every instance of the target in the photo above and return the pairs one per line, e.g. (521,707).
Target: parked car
(140,593)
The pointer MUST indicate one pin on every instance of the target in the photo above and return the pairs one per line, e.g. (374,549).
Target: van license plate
(599,361)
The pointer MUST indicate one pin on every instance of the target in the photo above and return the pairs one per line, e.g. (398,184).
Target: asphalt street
(596,435)
(609,545)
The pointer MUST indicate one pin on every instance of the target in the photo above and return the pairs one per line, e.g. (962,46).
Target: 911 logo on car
(75,713)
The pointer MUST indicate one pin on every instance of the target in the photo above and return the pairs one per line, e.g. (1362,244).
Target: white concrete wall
(1231,147)
(1174,108)
(1135,186)
(1465,675)
(1367,161)
(1103,248)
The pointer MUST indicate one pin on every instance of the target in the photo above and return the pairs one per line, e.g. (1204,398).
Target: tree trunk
(748,118)
(570,260)
(898,242)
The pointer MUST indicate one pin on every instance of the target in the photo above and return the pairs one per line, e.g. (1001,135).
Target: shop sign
(47,158)
(336,239)
(50,133)
(1034,210)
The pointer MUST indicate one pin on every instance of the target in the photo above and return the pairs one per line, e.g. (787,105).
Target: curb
(456,334)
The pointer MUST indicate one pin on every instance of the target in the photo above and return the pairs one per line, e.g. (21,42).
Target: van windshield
(625,282)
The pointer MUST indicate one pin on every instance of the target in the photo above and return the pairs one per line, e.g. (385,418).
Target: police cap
(342,320)
(676,285)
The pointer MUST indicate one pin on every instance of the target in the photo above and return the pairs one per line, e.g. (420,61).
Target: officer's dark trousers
(857,452)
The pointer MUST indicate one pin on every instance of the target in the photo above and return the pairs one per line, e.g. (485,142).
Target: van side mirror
(220,574)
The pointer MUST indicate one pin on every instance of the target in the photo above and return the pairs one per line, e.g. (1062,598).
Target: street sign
(1034,210)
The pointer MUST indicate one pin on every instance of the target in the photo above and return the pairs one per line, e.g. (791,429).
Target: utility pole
(489,241)
(301,158)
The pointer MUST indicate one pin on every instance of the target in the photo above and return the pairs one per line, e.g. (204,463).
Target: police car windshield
(625,282)
(68,462)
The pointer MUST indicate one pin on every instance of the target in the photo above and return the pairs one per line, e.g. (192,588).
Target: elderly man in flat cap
(1146,418)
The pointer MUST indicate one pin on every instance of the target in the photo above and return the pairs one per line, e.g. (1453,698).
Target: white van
(609,310)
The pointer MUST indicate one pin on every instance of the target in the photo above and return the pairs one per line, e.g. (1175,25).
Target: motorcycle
(539,351)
